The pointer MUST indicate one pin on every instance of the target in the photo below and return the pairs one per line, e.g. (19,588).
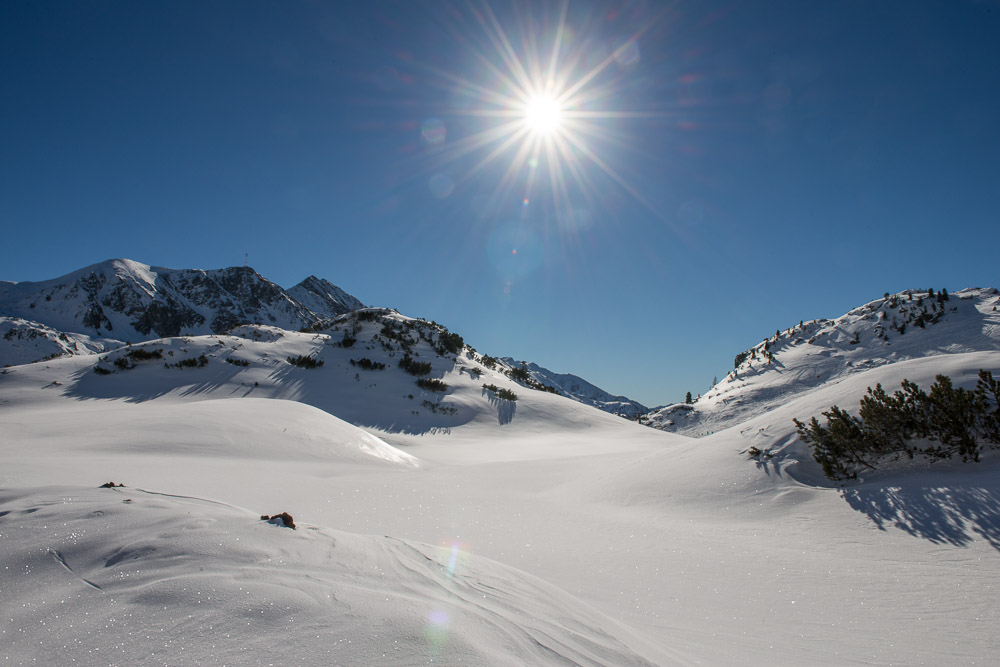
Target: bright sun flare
(543,115)
(543,102)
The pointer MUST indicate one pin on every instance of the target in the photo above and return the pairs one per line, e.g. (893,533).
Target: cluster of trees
(237,362)
(194,362)
(449,342)
(504,394)
(414,367)
(305,362)
(127,360)
(364,363)
(522,375)
(437,408)
(907,423)
(909,314)
(142,354)
(431,384)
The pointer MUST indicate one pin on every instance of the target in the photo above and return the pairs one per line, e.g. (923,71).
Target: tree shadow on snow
(505,408)
(135,386)
(942,515)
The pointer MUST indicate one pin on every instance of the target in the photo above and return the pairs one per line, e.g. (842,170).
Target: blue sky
(721,170)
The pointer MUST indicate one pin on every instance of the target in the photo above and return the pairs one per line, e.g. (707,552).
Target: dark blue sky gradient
(794,159)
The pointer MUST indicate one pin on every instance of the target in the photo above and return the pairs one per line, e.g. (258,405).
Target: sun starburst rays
(541,106)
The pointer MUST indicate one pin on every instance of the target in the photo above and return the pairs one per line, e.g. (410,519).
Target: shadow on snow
(943,515)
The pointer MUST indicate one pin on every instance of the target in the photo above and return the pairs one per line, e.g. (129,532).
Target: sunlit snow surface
(551,533)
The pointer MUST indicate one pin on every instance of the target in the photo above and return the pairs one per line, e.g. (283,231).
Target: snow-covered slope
(130,301)
(908,325)
(23,342)
(134,576)
(359,378)
(579,389)
(467,529)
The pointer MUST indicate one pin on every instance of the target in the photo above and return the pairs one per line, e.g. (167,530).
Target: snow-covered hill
(460,525)
(579,389)
(129,301)
(909,325)
(23,342)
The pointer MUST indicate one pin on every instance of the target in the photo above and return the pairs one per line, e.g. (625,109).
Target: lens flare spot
(433,131)
(436,628)
(441,186)
(627,54)
(514,250)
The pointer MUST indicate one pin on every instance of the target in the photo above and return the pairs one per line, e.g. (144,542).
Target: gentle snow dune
(249,428)
(129,576)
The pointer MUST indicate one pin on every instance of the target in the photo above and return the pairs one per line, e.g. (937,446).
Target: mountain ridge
(130,301)
(121,301)
(906,325)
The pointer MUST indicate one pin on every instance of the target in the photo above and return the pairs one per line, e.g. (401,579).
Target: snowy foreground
(455,528)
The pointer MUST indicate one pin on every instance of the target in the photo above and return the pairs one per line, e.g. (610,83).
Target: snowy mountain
(578,389)
(372,367)
(912,324)
(125,300)
(101,307)
(323,297)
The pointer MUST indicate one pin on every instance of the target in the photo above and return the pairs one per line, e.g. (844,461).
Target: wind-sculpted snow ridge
(126,300)
(907,325)
(134,576)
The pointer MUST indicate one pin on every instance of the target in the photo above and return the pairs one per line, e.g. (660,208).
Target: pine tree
(687,399)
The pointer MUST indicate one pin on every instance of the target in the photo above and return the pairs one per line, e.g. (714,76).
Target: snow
(542,531)
(811,354)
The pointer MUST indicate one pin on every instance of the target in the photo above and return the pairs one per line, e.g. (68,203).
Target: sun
(543,115)
(543,102)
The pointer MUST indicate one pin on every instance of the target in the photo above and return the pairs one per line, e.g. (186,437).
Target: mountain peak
(131,301)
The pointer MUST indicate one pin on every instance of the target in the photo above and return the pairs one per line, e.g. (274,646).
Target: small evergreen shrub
(192,362)
(757,453)
(142,354)
(367,364)
(237,362)
(889,426)
(437,408)
(503,394)
(519,374)
(450,342)
(303,361)
(100,370)
(414,367)
(431,384)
